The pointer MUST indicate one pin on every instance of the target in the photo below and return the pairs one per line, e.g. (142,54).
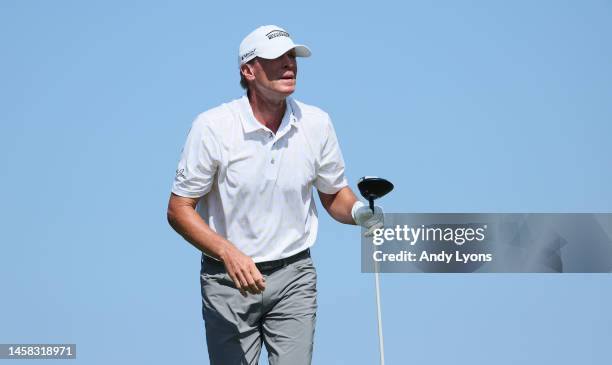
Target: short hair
(243,82)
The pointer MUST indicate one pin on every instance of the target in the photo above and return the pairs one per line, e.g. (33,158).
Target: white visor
(269,42)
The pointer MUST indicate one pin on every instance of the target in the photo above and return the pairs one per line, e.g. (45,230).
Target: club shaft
(379,316)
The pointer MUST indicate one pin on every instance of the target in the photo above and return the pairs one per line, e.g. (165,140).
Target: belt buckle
(274,264)
(282,263)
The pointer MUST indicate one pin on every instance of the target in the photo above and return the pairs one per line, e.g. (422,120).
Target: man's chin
(286,86)
(286,90)
(279,90)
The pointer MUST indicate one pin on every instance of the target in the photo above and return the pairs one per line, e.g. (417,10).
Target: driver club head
(372,188)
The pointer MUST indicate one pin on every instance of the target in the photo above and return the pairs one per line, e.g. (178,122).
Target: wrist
(225,251)
(358,204)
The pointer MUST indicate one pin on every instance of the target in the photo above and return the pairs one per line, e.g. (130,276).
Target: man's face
(274,78)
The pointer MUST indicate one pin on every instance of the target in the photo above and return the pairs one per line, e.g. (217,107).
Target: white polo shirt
(255,187)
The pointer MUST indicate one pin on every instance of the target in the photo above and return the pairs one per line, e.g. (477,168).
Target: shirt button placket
(271,137)
(272,151)
(270,170)
(272,148)
(274,163)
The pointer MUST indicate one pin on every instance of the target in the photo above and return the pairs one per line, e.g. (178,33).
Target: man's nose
(288,61)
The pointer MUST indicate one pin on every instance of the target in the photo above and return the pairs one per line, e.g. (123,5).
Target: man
(243,196)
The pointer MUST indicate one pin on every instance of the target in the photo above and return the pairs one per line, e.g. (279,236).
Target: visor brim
(300,51)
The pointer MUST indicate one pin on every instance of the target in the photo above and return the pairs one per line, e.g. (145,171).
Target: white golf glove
(363,216)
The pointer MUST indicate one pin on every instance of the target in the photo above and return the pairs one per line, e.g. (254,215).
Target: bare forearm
(339,205)
(184,219)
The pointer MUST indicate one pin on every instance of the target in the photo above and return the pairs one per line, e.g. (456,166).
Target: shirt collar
(250,124)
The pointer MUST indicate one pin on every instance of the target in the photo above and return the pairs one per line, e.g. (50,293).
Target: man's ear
(247,72)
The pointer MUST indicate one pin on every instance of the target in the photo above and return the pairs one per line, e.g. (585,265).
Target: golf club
(372,188)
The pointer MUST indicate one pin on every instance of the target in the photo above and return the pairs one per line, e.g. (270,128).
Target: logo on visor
(277,33)
(248,54)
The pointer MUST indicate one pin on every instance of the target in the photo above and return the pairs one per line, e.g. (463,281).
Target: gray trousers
(283,316)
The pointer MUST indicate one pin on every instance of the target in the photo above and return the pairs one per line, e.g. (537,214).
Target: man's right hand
(242,271)
(183,217)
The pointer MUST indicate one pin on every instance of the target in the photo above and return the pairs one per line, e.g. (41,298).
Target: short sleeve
(330,170)
(199,161)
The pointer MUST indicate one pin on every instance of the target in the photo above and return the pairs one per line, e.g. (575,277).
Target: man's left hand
(363,216)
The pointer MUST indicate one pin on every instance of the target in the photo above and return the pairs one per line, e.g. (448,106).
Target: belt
(270,265)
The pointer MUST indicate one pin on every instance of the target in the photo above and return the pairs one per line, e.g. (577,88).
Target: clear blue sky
(467,106)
